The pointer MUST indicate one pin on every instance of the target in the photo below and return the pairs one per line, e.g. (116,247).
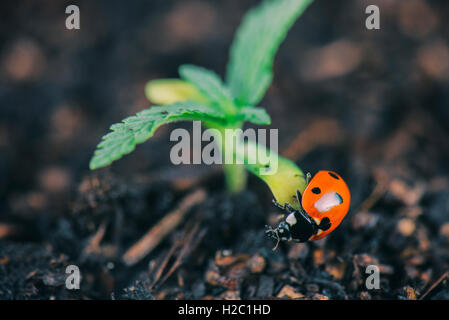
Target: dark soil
(371,105)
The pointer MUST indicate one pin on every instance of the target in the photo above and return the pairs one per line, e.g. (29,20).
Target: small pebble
(406,227)
(288,291)
(318,296)
(257,263)
(409,293)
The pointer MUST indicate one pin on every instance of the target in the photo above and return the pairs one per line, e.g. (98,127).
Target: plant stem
(235,174)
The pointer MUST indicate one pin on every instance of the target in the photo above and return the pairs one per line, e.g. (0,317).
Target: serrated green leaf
(209,84)
(139,128)
(249,72)
(255,115)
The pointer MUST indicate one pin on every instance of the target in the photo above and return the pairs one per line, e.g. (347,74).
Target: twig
(156,234)
(161,268)
(188,247)
(188,241)
(433,286)
(377,193)
(93,244)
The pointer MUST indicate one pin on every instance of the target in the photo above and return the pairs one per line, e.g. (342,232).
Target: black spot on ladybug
(325,224)
(316,190)
(339,197)
(333,175)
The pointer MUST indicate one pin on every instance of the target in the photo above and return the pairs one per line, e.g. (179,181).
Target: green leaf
(249,72)
(210,84)
(255,115)
(139,128)
(168,91)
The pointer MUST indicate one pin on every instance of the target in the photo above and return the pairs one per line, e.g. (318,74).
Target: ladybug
(322,206)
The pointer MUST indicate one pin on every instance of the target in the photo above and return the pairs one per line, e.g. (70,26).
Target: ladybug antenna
(299,197)
(274,234)
(277,242)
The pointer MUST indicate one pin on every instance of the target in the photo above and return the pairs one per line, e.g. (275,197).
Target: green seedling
(200,94)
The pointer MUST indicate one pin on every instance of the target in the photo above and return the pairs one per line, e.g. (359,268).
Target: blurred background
(372,105)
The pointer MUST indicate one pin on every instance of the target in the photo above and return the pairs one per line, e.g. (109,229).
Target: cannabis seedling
(201,95)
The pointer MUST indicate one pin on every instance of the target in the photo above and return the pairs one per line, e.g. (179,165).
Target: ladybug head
(280,233)
(297,226)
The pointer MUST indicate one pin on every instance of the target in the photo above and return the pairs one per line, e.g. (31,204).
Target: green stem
(235,174)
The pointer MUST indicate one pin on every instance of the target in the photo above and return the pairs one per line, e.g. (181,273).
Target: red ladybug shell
(327,195)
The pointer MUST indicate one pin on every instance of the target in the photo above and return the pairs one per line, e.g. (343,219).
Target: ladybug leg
(289,208)
(308,178)
(299,197)
(305,215)
(277,204)
(308,218)
(286,207)
(301,209)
